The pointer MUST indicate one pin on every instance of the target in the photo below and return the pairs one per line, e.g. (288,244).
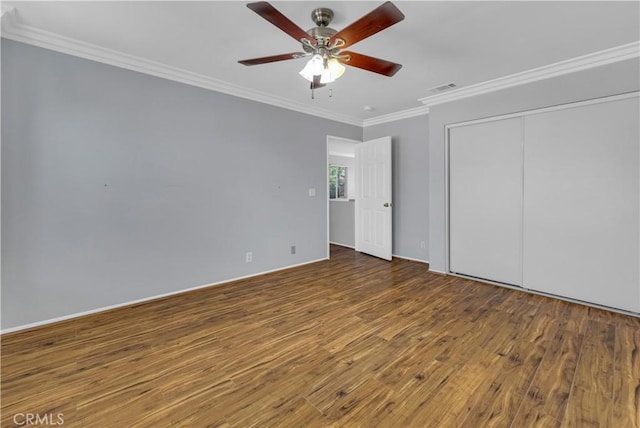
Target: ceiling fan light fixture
(326,44)
(333,71)
(314,67)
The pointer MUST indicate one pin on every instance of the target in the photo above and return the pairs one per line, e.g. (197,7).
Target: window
(337,182)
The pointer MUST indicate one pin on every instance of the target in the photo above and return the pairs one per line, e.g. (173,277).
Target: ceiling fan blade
(378,19)
(274,16)
(369,63)
(273,58)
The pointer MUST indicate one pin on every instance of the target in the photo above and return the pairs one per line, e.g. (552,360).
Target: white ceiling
(438,42)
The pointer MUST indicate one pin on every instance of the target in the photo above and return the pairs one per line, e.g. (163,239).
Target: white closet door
(581,207)
(485,200)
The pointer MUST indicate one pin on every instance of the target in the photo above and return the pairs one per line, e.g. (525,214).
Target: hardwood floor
(354,341)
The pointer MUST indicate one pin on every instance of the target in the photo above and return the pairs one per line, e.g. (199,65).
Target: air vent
(442,88)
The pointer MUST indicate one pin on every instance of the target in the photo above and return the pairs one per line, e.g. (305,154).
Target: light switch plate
(312,192)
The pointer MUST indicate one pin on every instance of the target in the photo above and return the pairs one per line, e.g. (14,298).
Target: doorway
(341,191)
(359,197)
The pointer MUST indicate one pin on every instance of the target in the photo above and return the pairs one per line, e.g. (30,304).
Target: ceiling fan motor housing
(322,17)
(321,35)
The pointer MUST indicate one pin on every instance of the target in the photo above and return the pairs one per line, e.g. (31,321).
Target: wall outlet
(293,249)
(249,257)
(423,244)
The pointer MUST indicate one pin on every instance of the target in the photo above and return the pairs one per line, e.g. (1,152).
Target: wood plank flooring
(354,341)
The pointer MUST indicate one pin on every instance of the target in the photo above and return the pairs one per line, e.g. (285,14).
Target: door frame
(326,181)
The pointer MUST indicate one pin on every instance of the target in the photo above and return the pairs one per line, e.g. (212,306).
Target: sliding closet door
(485,200)
(581,207)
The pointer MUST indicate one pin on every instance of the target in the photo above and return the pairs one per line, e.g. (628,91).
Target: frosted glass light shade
(314,67)
(332,72)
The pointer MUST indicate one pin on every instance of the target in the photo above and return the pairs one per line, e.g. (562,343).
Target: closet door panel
(581,203)
(485,200)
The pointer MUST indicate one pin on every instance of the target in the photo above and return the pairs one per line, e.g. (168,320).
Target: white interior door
(373,198)
(485,200)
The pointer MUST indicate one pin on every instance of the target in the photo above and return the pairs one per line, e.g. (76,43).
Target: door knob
(387,204)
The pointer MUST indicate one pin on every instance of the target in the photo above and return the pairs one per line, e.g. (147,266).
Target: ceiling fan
(324,44)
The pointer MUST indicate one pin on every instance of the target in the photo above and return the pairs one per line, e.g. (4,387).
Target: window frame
(346,183)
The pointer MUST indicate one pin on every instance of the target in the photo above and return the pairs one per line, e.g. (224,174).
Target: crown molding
(595,59)
(399,115)
(14,30)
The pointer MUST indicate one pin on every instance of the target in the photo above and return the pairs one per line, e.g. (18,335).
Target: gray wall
(119,186)
(342,228)
(598,82)
(410,183)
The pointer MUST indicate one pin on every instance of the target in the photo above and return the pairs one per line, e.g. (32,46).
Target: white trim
(326,181)
(392,117)
(326,178)
(410,258)
(342,245)
(447,256)
(595,59)
(522,194)
(564,106)
(14,30)
(392,255)
(552,296)
(439,272)
(343,139)
(148,299)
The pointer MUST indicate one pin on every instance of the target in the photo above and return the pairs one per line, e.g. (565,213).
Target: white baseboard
(410,258)
(549,295)
(342,245)
(393,255)
(439,272)
(147,299)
